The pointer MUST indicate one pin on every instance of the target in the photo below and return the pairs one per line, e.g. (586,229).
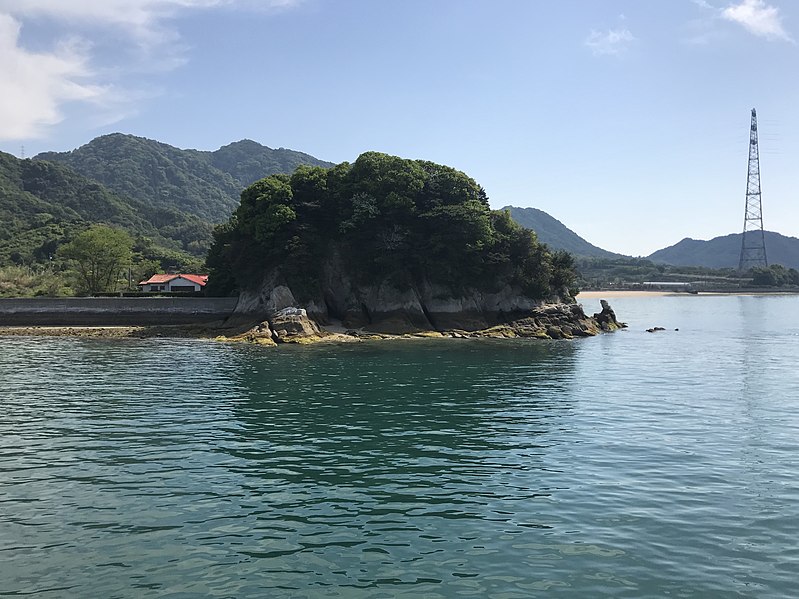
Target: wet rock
(607,318)
(292,325)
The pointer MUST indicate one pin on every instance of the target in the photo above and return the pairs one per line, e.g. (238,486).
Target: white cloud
(612,41)
(37,85)
(758,18)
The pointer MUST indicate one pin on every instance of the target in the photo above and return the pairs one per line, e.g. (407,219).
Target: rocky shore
(112,332)
(546,321)
(292,325)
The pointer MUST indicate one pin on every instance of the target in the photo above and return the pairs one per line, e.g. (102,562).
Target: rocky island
(388,246)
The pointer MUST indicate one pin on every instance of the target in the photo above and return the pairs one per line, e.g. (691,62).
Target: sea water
(631,464)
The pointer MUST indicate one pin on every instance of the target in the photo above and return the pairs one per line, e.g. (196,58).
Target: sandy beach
(587,295)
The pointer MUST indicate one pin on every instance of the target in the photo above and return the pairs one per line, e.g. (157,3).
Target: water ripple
(629,465)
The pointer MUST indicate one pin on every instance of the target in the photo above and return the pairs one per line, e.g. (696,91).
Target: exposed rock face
(552,321)
(607,317)
(383,309)
(293,324)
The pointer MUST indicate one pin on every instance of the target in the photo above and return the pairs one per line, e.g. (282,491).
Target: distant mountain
(43,203)
(248,161)
(725,252)
(205,184)
(555,234)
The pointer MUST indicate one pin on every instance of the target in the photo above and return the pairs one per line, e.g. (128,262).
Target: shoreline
(294,327)
(593,295)
(616,293)
(329,334)
(110,331)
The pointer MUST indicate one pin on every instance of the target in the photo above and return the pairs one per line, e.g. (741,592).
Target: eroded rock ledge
(292,324)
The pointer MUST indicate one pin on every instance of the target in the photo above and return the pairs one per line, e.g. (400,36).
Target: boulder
(260,334)
(292,325)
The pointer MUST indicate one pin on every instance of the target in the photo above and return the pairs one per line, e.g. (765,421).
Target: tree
(387,219)
(776,275)
(100,253)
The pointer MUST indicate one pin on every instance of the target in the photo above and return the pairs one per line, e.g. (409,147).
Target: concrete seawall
(114,311)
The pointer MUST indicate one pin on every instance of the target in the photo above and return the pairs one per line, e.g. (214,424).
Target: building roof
(160,279)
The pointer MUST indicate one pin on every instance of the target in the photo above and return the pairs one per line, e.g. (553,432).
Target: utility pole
(753,241)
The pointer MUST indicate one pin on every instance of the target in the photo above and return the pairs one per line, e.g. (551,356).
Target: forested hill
(362,237)
(42,204)
(725,251)
(248,161)
(555,234)
(206,184)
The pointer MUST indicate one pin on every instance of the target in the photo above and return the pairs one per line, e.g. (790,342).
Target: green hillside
(205,184)
(725,251)
(248,161)
(42,204)
(555,234)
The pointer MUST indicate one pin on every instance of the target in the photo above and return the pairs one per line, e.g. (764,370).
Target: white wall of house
(181,282)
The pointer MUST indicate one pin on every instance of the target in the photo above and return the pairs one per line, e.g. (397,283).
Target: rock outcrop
(607,317)
(384,310)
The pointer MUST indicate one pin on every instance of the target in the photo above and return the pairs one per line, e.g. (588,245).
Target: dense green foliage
(248,161)
(42,205)
(555,234)
(389,219)
(99,253)
(775,275)
(204,184)
(167,199)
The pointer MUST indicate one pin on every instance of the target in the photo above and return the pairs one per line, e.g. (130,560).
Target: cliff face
(382,308)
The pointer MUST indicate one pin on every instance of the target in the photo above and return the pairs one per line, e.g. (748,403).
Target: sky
(628,121)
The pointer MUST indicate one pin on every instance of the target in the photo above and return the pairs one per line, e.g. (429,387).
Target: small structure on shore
(177,282)
(669,285)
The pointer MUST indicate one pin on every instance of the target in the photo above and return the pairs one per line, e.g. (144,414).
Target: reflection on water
(625,465)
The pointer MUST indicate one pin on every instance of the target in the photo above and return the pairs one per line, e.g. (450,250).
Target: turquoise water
(626,465)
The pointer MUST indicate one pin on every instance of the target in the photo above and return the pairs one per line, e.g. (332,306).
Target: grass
(26,281)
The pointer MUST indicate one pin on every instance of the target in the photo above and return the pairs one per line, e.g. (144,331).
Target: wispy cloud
(758,18)
(610,42)
(37,85)
(703,30)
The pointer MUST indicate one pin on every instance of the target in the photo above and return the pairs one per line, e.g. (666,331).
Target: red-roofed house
(176,282)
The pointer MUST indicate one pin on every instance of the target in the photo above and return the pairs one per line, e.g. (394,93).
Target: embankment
(114,311)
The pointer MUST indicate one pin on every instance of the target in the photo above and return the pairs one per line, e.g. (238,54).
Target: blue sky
(626,120)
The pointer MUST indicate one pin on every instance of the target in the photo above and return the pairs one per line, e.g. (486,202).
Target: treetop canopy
(390,218)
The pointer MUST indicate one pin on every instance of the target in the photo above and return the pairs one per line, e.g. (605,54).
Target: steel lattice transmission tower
(753,241)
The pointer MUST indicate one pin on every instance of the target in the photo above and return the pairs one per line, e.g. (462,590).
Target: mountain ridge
(724,251)
(204,183)
(555,234)
(179,194)
(43,203)
(167,197)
